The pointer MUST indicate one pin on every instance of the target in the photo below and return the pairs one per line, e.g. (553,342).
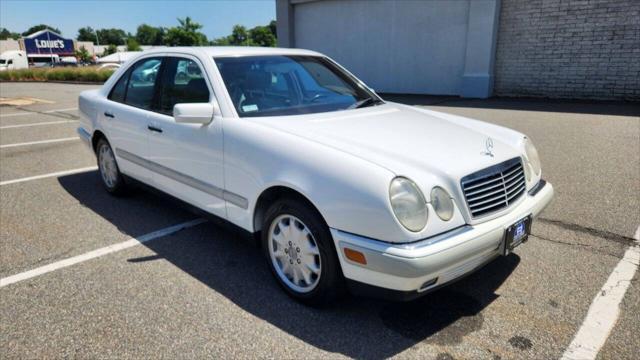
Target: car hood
(407,140)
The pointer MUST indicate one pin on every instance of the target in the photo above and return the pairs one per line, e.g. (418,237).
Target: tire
(299,251)
(112,179)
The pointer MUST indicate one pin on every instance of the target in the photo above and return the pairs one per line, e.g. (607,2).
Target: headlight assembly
(442,203)
(532,156)
(408,204)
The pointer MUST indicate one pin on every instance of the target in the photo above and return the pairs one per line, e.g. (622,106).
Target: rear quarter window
(119,91)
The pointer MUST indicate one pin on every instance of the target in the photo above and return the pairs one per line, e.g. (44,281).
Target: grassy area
(57,74)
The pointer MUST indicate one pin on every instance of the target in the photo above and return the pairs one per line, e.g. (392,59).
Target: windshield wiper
(365,102)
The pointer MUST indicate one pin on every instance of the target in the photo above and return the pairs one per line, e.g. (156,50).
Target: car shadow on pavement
(231,266)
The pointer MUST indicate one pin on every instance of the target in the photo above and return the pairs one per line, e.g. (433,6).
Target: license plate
(516,234)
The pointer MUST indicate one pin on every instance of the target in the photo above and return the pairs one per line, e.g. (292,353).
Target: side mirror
(194,113)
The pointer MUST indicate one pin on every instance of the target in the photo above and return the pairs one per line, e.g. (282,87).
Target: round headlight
(442,203)
(408,204)
(532,156)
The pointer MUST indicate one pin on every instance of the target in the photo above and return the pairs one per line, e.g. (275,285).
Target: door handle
(153,128)
(108,114)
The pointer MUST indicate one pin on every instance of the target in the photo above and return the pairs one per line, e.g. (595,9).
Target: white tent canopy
(117,58)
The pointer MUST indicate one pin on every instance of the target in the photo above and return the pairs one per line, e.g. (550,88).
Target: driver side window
(182,82)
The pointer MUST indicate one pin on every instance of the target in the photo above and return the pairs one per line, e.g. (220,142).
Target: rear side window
(182,82)
(142,82)
(120,89)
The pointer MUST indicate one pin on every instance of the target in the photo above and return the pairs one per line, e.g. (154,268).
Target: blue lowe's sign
(48,42)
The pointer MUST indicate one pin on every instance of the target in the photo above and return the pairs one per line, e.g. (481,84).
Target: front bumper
(415,268)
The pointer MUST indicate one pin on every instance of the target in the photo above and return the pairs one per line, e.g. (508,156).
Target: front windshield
(290,85)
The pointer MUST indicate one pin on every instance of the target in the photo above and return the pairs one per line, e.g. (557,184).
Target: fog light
(355,256)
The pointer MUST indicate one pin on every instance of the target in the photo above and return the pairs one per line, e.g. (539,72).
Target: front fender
(350,193)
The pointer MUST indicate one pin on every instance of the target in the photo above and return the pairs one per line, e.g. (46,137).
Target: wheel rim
(108,167)
(294,253)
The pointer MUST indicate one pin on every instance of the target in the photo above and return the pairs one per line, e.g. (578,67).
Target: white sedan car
(343,189)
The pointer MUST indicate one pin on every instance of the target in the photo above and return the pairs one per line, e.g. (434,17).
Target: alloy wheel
(108,167)
(294,253)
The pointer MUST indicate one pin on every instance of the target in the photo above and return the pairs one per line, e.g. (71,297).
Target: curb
(53,81)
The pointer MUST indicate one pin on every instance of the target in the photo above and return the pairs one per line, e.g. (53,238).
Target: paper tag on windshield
(252,107)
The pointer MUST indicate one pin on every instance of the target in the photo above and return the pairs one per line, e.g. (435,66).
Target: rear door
(188,157)
(125,116)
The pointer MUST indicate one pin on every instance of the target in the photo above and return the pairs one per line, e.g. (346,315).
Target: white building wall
(9,44)
(439,47)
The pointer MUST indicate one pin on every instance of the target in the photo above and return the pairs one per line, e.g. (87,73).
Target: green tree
(223,41)
(186,34)
(257,36)
(83,55)
(273,27)
(37,28)
(133,45)
(262,36)
(111,49)
(112,36)
(86,34)
(149,35)
(6,34)
(239,36)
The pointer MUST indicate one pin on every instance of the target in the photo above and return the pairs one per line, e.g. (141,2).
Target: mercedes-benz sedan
(343,189)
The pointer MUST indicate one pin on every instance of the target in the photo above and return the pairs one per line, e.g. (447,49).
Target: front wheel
(109,172)
(300,252)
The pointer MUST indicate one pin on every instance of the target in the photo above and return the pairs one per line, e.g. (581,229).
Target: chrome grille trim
(484,183)
(486,201)
(521,188)
(512,171)
(513,175)
(494,188)
(484,189)
(500,190)
(511,185)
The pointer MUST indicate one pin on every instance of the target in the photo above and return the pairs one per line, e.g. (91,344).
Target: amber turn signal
(355,256)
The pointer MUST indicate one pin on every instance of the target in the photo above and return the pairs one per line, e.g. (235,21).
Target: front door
(189,157)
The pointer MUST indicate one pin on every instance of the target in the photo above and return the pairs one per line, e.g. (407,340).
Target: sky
(217,16)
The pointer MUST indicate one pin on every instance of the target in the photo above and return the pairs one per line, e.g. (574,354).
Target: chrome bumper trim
(406,267)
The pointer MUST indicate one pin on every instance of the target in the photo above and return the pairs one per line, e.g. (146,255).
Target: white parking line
(39,142)
(38,124)
(54,174)
(98,253)
(605,308)
(37,112)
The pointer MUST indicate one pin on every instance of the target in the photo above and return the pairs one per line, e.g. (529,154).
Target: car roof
(221,51)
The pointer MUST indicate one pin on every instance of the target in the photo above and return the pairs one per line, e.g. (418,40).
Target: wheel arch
(273,193)
(97,135)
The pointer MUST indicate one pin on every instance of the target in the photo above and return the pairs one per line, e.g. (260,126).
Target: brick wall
(585,49)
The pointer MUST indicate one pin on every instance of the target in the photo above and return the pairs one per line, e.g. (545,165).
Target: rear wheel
(300,252)
(109,172)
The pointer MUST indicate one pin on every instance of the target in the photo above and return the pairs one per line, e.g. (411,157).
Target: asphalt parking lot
(203,291)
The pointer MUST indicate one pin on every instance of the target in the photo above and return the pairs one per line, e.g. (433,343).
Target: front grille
(494,188)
